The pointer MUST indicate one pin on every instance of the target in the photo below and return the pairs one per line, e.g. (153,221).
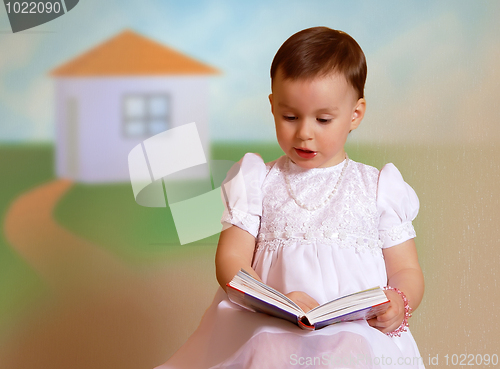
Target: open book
(246,291)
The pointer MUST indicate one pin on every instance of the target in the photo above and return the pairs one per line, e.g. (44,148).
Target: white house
(118,94)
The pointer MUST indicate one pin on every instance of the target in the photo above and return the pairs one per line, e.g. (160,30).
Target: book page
(349,303)
(246,283)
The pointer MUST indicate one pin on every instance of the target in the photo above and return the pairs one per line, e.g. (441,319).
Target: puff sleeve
(397,205)
(242,194)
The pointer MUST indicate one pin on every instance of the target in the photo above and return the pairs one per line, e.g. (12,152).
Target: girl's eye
(323,120)
(289,117)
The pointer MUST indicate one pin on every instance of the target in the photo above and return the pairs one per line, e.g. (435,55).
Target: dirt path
(49,248)
(102,313)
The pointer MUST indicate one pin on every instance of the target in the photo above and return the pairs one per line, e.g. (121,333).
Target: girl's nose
(304,131)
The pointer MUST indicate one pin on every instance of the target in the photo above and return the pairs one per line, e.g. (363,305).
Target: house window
(145,115)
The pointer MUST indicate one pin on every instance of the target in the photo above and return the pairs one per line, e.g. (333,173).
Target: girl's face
(313,118)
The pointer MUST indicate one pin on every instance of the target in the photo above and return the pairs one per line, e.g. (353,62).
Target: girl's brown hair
(319,51)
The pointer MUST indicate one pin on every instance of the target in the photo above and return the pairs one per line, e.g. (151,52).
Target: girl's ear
(358,113)
(271,102)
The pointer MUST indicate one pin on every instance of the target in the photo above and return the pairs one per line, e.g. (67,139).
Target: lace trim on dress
(275,240)
(403,231)
(250,222)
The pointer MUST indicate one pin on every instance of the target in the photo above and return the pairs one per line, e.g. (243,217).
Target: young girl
(314,225)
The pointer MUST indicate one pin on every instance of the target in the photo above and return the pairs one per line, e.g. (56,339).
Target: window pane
(135,128)
(158,106)
(157,125)
(135,107)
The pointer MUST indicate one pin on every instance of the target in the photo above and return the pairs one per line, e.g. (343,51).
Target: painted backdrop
(90,279)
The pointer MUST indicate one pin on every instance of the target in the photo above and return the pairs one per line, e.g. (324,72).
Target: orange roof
(130,54)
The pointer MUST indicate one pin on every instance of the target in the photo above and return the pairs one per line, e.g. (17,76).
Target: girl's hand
(302,299)
(393,317)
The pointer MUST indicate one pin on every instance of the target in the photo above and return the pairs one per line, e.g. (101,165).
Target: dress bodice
(336,205)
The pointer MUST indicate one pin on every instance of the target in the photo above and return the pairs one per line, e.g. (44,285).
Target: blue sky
(434,71)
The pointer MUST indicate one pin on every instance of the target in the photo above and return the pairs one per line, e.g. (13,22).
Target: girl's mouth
(306,154)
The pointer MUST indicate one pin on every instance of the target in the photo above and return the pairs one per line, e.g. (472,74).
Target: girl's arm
(234,251)
(404,273)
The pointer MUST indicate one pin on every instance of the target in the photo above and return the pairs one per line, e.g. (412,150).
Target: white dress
(327,252)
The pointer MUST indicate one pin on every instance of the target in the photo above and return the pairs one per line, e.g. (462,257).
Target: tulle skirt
(231,337)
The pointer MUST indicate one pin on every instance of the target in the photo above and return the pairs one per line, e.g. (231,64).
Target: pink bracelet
(404,324)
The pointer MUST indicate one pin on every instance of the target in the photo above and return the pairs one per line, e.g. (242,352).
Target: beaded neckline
(320,205)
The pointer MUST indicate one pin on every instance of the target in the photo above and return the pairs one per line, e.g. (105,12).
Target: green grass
(22,167)
(108,216)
